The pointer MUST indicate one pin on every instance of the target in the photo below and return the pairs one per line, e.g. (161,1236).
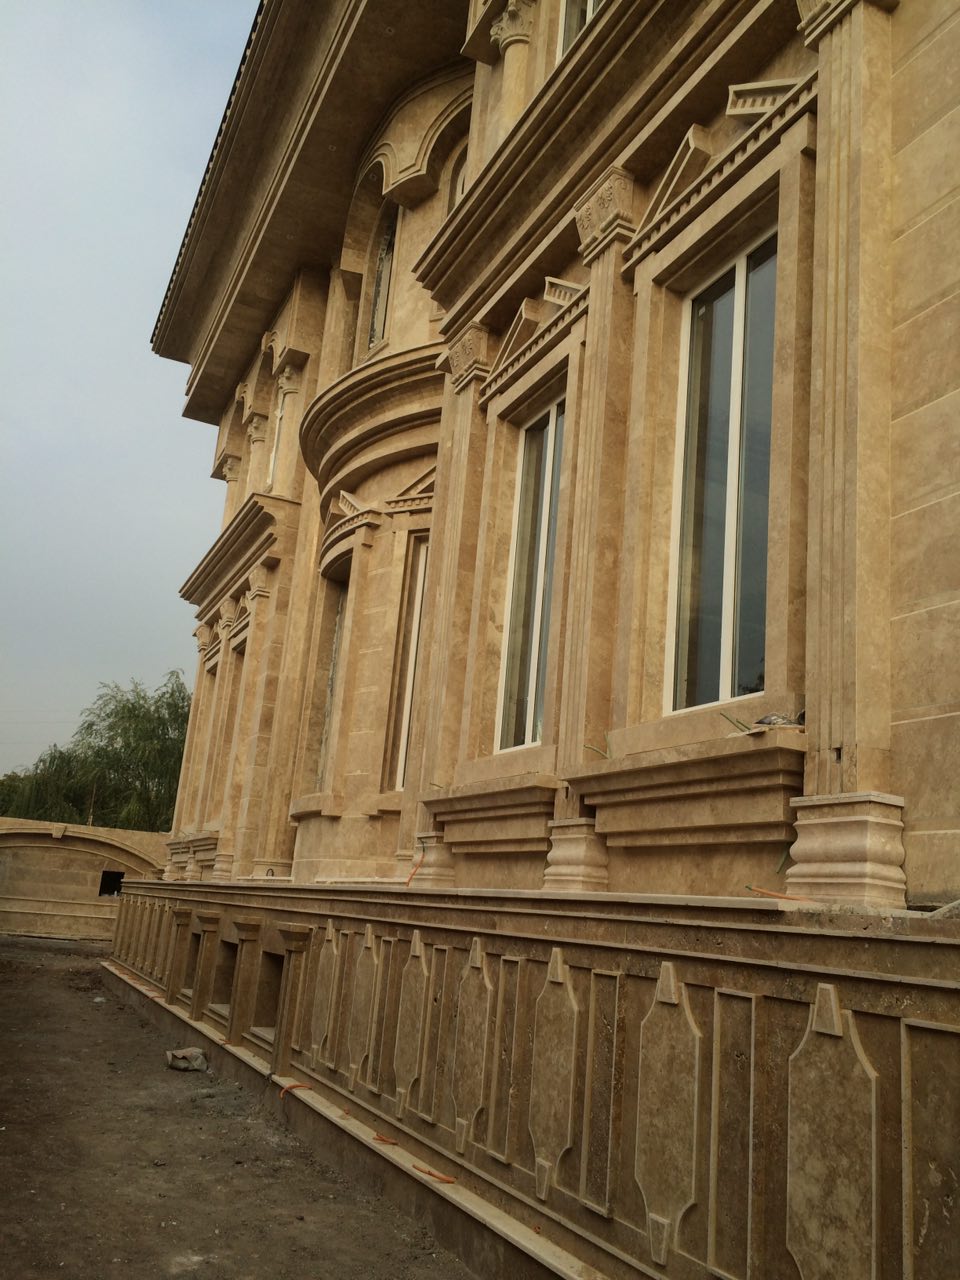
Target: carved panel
(552,1071)
(931,1174)
(505,1052)
(667,1110)
(432,1042)
(361,1007)
(601,1113)
(731,1131)
(831,1148)
(413,991)
(384,1013)
(470,1052)
(324,1007)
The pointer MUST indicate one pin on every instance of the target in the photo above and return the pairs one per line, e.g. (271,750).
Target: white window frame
(563,45)
(421,548)
(731,512)
(551,479)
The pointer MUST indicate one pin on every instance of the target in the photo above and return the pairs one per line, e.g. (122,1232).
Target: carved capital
(514,25)
(289,379)
(259,582)
(817,17)
(204,635)
(230,468)
(470,355)
(256,425)
(606,213)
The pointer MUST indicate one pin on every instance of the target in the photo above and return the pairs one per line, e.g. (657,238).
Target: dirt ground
(113,1165)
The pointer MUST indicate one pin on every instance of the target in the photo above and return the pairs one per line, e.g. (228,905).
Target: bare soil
(113,1165)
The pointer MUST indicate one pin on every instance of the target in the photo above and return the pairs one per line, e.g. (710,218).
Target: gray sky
(108,110)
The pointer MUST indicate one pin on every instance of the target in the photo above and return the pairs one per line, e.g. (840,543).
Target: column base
(577,861)
(849,849)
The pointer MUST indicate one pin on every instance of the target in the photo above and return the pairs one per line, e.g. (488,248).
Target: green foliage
(122,765)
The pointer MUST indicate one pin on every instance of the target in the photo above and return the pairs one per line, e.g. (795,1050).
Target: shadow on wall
(64,881)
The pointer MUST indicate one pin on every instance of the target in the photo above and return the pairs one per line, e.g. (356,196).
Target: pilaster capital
(230,468)
(470,355)
(289,379)
(204,635)
(514,25)
(259,582)
(256,425)
(817,17)
(607,213)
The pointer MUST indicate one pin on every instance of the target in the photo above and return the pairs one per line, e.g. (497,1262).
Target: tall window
(722,567)
(382,273)
(411,613)
(528,614)
(576,15)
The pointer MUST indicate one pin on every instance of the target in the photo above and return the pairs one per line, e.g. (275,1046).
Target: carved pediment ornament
(818,16)
(751,101)
(514,25)
(606,213)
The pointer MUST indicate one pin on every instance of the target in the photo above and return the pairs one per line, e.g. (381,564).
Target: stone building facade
(573,773)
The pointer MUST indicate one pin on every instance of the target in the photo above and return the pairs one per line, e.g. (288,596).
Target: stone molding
(817,17)
(261,533)
(546,338)
(470,355)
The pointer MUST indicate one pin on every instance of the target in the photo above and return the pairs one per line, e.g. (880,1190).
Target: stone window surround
(667,270)
(548,370)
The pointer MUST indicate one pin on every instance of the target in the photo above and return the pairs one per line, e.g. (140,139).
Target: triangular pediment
(692,157)
(751,101)
(421,487)
(532,315)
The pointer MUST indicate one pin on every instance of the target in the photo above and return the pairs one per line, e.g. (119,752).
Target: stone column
(511,33)
(606,220)
(244,994)
(213,764)
(288,384)
(849,844)
(256,425)
(192,751)
(231,474)
(451,573)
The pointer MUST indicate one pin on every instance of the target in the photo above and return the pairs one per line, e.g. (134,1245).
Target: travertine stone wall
(685,1089)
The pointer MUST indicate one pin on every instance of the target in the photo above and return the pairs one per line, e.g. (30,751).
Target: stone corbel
(817,17)
(470,355)
(203,635)
(607,213)
(230,468)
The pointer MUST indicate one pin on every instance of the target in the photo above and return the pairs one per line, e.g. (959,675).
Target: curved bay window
(531,577)
(722,578)
(382,275)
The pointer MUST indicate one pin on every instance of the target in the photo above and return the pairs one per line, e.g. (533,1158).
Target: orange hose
(287,1087)
(432,1173)
(768,893)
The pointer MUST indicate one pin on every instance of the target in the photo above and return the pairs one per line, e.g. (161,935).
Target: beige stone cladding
(659,1087)
(573,753)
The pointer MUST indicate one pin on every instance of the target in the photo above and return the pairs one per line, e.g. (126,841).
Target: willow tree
(121,767)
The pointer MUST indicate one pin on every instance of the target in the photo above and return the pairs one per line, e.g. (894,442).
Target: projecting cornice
(279,180)
(623,96)
(261,533)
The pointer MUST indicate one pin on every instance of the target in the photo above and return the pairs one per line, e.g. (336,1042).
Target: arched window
(382,272)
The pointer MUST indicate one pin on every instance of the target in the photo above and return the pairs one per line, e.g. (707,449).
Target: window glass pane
(574,20)
(751,597)
(381,279)
(699,619)
(547,589)
(523,593)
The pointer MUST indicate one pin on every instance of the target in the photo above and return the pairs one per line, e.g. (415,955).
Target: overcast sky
(108,111)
